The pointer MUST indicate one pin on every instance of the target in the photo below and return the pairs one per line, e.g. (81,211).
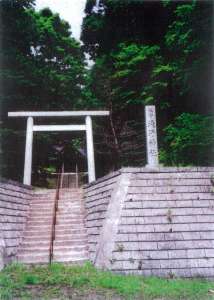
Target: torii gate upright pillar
(90,149)
(28,152)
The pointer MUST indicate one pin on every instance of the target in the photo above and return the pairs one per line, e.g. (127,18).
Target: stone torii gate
(85,127)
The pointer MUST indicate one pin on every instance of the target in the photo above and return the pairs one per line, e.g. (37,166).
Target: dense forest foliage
(42,69)
(141,52)
(149,52)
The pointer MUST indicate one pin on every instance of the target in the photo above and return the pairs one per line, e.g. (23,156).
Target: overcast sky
(69,10)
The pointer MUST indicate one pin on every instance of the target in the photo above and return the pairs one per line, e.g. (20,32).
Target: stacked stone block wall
(166,224)
(14,205)
(97,196)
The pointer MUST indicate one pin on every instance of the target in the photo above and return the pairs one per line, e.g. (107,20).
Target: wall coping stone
(160,169)
(101,179)
(166,169)
(13,182)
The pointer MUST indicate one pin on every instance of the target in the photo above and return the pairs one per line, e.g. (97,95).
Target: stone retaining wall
(14,205)
(97,196)
(162,224)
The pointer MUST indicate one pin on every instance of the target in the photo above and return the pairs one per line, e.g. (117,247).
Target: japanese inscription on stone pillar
(151,136)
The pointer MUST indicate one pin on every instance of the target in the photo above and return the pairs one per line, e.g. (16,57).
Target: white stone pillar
(90,150)
(2,252)
(28,152)
(151,136)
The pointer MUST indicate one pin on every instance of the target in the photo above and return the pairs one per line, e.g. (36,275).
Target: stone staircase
(70,244)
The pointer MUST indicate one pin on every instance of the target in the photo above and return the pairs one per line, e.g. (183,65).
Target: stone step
(36,239)
(70,193)
(34,248)
(76,226)
(70,256)
(40,218)
(33,243)
(44,191)
(71,189)
(50,194)
(69,211)
(68,214)
(41,206)
(72,214)
(33,259)
(37,233)
(67,221)
(41,210)
(73,205)
(74,261)
(69,231)
(60,221)
(43,201)
(69,248)
(76,207)
(40,214)
(71,225)
(41,222)
(70,205)
(47,199)
(70,242)
(77,199)
(40,193)
(39,228)
(70,201)
(34,251)
(69,237)
(72,196)
(44,196)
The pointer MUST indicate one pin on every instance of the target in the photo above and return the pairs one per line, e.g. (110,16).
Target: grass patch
(194,289)
(61,282)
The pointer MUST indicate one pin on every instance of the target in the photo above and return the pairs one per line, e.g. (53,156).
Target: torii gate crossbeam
(31,128)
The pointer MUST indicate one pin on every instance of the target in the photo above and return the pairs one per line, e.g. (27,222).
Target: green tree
(129,21)
(42,68)
(45,68)
(148,60)
(189,140)
(189,41)
(133,68)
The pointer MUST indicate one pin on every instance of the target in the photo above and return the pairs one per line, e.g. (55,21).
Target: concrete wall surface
(97,196)
(14,205)
(153,221)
